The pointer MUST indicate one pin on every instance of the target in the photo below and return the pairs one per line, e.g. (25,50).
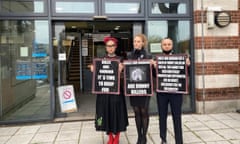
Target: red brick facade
(217,42)
(218,68)
(218,94)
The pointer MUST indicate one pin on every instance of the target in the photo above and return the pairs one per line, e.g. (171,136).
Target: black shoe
(139,140)
(163,142)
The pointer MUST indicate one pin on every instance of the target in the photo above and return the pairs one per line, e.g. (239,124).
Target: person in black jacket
(111,112)
(140,103)
(175,101)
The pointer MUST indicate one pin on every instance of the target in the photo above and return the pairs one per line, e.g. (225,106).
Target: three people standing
(111,113)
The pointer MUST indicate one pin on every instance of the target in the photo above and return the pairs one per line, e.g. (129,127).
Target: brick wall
(221,56)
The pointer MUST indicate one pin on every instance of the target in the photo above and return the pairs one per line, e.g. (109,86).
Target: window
(122,8)
(74,8)
(17,7)
(130,8)
(168,8)
(178,30)
(179,8)
(24,70)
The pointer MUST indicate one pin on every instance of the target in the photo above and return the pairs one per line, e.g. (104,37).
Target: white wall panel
(230,30)
(217,55)
(224,4)
(218,81)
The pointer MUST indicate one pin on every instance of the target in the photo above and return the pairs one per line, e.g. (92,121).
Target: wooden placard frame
(166,62)
(116,72)
(137,86)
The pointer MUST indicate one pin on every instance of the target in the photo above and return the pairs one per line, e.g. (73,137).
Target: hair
(106,39)
(165,39)
(144,39)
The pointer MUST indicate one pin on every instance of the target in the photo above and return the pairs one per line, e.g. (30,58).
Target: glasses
(111,45)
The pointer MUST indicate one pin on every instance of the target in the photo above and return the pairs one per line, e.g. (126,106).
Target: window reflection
(75,7)
(179,31)
(24,70)
(122,8)
(22,6)
(38,7)
(169,8)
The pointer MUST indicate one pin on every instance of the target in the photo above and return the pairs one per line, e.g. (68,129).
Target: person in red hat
(111,112)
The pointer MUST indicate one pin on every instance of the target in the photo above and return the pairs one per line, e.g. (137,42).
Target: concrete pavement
(222,128)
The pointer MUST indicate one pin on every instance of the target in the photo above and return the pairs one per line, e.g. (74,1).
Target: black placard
(172,73)
(138,78)
(106,76)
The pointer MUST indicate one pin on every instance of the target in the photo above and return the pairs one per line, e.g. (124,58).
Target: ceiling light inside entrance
(117,28)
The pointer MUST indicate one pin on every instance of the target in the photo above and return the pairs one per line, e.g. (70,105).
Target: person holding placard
(111,112)
(140,103)
(174,99)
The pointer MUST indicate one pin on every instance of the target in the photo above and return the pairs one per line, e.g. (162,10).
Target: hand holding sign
(120,67)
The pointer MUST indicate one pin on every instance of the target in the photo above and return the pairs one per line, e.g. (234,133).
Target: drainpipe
(203,62)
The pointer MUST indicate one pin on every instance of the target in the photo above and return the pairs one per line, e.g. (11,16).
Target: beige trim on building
(217,106)
(217,55)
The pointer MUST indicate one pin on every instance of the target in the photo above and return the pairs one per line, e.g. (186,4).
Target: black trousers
(175,101)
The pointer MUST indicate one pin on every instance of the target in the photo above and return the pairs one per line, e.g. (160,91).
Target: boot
(110,138)
(163,142)
(144,130)
(140,136)
(116,138)
(139,139)
(144,140)
(139,131)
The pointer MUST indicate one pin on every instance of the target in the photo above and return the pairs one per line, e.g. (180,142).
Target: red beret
(106,39)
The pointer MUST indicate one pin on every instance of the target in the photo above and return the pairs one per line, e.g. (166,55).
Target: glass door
(75,45)
(67,59)
(24,69)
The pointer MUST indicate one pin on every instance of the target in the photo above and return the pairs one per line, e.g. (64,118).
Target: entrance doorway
(81,42)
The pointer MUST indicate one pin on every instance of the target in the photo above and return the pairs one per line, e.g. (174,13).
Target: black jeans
(175,101)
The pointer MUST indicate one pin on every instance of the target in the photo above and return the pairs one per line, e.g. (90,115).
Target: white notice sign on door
(62,57)
(84,51)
